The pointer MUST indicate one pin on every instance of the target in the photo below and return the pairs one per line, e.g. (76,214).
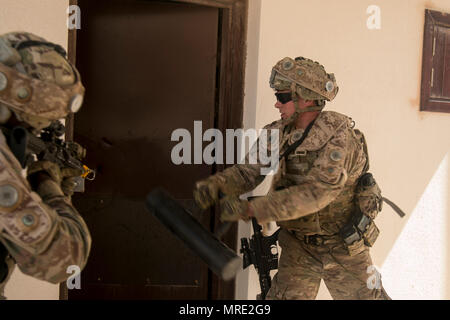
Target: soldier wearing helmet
(313,196)
(40,229)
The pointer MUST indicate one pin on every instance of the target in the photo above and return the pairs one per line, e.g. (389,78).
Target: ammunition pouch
(352,240)
(368,229)
(361,231)
(368,196)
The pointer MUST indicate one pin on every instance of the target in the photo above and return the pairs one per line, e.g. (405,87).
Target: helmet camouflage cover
(37,82)
(304,77)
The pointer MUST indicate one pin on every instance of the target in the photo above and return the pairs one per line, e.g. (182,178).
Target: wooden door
(149,68)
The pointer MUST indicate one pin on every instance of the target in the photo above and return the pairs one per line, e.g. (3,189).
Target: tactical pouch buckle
(367,228)
(360,231)
(352,240)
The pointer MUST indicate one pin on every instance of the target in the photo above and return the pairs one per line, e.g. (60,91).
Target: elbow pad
(24,218)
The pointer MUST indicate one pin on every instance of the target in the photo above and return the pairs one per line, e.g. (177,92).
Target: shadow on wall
(421,248)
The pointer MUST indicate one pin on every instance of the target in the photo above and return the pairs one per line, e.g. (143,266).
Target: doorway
(150,67)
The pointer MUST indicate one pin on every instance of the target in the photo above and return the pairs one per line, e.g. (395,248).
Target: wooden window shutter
(435,89)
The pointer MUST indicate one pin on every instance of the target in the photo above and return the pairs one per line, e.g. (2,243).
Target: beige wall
(378,72)
(46,18)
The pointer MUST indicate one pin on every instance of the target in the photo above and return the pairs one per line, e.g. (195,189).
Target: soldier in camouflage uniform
(40,230)
(314,195)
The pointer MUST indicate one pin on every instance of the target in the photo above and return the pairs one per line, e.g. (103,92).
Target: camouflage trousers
(302,266)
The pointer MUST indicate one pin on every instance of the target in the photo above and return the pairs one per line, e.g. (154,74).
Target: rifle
(259,252)
(49,146)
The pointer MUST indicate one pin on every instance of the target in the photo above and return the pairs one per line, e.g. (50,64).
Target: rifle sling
(297,143)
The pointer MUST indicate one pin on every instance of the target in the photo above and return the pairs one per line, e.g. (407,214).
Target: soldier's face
(286,109)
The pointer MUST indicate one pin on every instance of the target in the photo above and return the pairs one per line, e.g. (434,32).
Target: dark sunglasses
(283,97)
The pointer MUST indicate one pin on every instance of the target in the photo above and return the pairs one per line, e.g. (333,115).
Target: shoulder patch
(10,197)
(22,217)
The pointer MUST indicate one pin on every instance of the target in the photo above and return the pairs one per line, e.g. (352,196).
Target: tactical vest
(329,220)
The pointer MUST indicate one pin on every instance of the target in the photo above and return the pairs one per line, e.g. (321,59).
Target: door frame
(232,34)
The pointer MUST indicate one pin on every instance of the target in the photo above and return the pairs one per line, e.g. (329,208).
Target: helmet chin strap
(312,108)
(299,111)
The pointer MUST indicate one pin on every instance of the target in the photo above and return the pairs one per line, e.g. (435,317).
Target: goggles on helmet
(304,76)
(33,96)
(36,97)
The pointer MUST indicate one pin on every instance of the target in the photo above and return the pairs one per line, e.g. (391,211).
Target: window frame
(433,19)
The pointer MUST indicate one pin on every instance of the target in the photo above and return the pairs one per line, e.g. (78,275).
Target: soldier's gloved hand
(206,192)
(233,209)
(42,170)
(45,178)
(69,180)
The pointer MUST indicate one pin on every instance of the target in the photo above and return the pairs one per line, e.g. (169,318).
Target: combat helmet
(37,82)
(306,79)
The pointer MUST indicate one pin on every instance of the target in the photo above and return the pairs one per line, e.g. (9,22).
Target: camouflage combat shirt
(41,231)
(313,190)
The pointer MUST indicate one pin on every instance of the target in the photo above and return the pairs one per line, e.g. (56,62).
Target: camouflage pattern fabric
(42,231)
(306,79)
(313,193)
(206,191)
(302,266)
(369,200)
(40,61)
(311,81)
(38,83)
(337,165)
(324,181)
(233,209)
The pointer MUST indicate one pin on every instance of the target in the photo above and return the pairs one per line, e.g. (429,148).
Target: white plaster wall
(379,73)
(46,18)
(417,266)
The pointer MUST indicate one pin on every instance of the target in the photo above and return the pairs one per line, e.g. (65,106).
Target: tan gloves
(69,181)
(40,171)
(206,194)
(233,209)
(45,167)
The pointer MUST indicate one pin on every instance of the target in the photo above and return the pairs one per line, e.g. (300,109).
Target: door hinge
(434,46)
(432,77)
